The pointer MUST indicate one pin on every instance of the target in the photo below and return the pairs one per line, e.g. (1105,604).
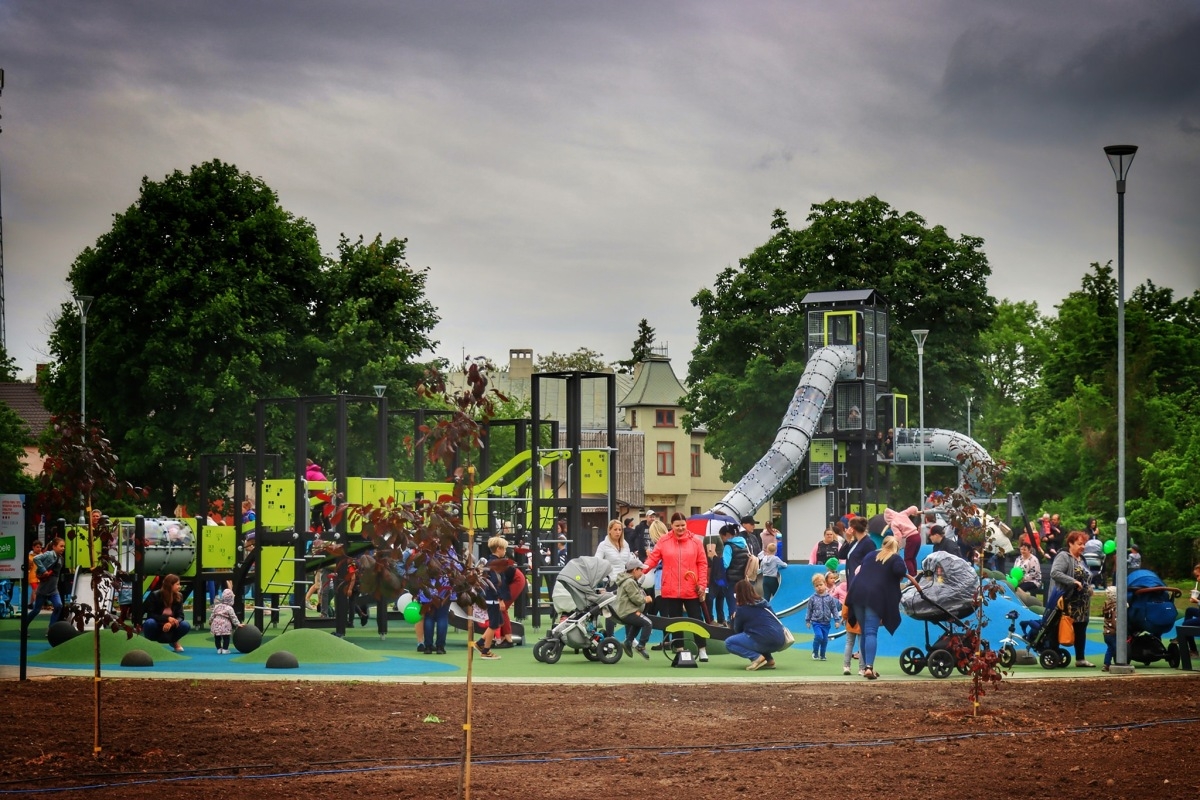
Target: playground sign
(12,529)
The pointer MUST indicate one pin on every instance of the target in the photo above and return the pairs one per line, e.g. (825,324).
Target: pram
(1151,614)
(1042,637)
(580,598)
(1093,559)
(944,593)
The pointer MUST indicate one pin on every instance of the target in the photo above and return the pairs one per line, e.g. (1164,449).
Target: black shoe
(629,649)
(657,646)
(642,650)
(420,648)
(441,651)
(503,643)
(363,620)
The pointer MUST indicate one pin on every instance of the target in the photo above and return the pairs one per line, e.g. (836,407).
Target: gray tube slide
(790,447)
(942,447)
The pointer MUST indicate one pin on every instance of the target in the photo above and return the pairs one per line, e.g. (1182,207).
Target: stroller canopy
(948,584)
(1151,603)
(580,580)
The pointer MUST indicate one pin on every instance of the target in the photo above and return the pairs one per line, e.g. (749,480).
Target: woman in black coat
(874,596)
(164,620)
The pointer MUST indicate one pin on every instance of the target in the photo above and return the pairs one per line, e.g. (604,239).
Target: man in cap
(639,543)
(753,542)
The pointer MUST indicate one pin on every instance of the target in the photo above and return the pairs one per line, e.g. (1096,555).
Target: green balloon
(412,613)
(832,565)
(1110,547)
(1016,574)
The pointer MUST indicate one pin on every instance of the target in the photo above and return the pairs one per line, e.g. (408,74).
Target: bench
(1190,632)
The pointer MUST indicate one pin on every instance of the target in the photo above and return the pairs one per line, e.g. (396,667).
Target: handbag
(788,638)
(1066,627)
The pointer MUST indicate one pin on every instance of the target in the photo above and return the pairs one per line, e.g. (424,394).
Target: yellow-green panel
(377,490)
(407,491)
(276,569)
(820,451)
(218,544)
(594,469)
(853,315)
(278,503)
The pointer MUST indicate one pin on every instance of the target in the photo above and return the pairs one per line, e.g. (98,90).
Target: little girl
(769,565)
(1110,625)
(822,613)
(223,621)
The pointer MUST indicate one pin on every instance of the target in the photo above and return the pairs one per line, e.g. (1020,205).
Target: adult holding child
(874,596)
(48,568)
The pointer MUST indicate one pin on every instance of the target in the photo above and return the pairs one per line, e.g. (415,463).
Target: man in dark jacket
(856,548)
(639,544)
(753,542)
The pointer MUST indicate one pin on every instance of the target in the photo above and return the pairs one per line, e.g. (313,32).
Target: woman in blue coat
(874,597)
(757,632)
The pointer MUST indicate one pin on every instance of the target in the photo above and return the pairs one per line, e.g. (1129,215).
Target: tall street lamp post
(920,336)
(970,397)
(83,302)
(1120,157)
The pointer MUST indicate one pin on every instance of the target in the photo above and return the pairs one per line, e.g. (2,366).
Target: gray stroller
(944,594)
(581,600)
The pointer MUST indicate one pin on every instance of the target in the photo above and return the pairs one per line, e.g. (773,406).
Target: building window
(666,458)
(695,461)
(695,510)
(664,418)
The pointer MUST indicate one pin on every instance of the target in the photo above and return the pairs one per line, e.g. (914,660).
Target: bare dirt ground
(1130,737)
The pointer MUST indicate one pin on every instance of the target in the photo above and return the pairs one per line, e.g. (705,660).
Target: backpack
(751,567)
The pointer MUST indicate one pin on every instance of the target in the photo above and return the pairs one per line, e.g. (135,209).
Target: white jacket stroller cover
(579,582)
(948,586)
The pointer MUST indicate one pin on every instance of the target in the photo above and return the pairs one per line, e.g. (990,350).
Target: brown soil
(1132,737)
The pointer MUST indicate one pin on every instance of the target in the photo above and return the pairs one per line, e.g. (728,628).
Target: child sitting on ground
(631,602)
(224,621)
(823,612)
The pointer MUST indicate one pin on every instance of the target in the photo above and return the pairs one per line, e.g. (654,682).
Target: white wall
(805,524)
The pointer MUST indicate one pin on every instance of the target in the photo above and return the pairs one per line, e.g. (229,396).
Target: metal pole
(1120,157)
(83,302)
(969,399)
(919,336)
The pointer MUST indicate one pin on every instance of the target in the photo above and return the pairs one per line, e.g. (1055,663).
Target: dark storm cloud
(1026,77)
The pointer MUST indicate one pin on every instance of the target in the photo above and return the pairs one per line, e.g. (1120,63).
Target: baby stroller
(8,607)
(943,595)
(1151,614)
(1093,559)
(580,598)
(1042,637)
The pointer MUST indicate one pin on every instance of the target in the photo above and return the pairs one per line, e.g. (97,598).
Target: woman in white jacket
(614,549)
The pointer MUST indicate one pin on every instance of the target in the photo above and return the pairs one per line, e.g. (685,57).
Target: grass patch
(311,646)
(113,647)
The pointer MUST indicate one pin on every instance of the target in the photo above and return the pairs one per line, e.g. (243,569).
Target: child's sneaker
(845,670)
(628,646)
(822,658)
(703,654)
(489,655)
(642,650)
(815,657)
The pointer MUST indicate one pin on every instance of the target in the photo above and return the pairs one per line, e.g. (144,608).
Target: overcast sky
(567,168)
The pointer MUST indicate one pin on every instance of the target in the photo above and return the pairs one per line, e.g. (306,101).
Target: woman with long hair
(874,596)
(757,632)
(164,620)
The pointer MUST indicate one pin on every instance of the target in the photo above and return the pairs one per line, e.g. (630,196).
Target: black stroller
(944,594)
(1151,614)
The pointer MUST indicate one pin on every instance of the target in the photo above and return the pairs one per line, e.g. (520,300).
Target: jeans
(820,638)
(436,622)
(1110,640)
(746,646)
(40,600)
(870,634)
(770,586)
(638,625)
(851,639)
(151,631)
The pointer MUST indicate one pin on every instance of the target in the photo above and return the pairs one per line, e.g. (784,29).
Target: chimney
(520,364)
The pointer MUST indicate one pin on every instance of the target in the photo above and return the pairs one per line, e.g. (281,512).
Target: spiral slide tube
(787,452)
(942,447)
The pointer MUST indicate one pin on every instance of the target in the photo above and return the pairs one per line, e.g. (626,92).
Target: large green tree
(1015,347)
(751,346)
(210,295)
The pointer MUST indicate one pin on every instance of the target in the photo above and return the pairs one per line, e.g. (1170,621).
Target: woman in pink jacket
(906,534)
(684,577)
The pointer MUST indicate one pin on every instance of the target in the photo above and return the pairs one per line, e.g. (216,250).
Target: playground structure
(841,412)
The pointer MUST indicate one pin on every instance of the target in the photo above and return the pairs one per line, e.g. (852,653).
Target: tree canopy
(642,348)
(751,339)
(210,295)
(582,360)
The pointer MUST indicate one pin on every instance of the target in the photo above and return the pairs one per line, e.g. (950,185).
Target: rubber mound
(311,646)
(113,647)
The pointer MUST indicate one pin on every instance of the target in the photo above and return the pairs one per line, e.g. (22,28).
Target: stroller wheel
(552,652)
(591,653)
(1007,656)
(912,661)
(609,650)
(1173,655)
(1064,657)
(941,663)
(1048,658)
(539,650)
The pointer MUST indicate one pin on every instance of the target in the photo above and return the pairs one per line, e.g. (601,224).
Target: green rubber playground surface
(363,655)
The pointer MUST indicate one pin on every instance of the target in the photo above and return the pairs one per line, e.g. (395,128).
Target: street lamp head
(379,389)
(83,302)
(1120,157)
(920,335)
